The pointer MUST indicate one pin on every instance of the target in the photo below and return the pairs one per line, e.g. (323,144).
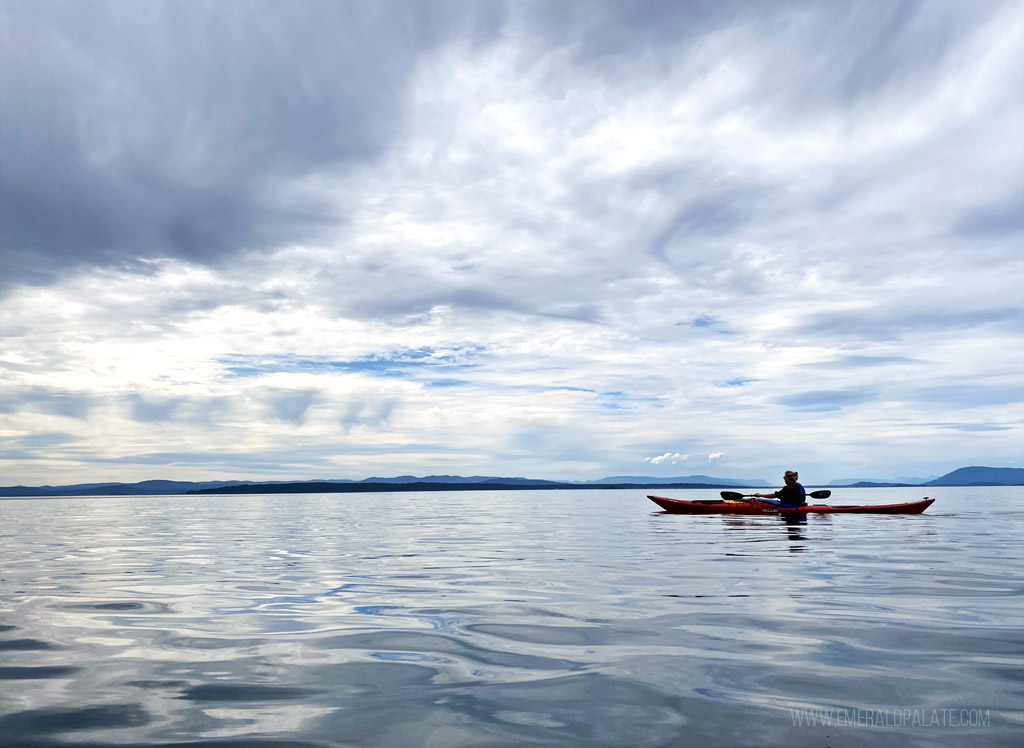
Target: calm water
(567,618)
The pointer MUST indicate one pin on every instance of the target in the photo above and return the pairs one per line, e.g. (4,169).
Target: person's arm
(765,495)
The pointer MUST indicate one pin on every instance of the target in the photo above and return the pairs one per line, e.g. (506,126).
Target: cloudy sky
(562,239)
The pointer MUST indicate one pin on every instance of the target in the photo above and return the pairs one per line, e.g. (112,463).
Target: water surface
(548,618)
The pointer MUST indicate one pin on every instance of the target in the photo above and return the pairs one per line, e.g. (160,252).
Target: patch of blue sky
(396,364)
(561,388)
(448,383)
(707,322)
(971,427)
(539,387)
(738,382)
(614,400)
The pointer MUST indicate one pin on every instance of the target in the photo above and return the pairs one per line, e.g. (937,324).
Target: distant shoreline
(271,488)
(424,487)
(427,486)
(976,475)
(313,487)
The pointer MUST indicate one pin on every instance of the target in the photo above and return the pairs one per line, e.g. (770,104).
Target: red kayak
(755,506)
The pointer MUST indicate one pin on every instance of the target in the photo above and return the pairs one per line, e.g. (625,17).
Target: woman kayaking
(791,494)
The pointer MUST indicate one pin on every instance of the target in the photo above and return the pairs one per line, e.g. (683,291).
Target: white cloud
(672,457)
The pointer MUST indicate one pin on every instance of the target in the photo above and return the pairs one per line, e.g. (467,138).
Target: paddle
(733,496)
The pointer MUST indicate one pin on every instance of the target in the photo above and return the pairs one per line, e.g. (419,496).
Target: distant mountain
(143,488)
(613,480)
(24,491)
(440,479)
(901,481)
(981,476)
(704,479)
(968,476)
(523,484)
(168,487)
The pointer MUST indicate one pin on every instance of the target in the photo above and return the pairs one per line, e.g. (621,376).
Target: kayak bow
(680,506)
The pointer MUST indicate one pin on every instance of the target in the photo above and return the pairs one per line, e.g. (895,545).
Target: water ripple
(567,618)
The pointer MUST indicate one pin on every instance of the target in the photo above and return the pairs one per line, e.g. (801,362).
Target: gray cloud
(29,446)
(866,47)
(706,216)
(828,54)
(44,439)
(167,129)
(154,408)
(255,461)
(368,411)
(827,400)
(290,405)
(411,298)
(970,427)
(882,324)
(46,400)
(970,395)
(207,411)
(861,361)
(419,301)
(604,31)
(992,219)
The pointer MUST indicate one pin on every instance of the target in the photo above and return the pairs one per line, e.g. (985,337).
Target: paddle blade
(731,496)
(820,494)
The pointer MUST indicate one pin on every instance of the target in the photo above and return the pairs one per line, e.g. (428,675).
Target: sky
(563,239)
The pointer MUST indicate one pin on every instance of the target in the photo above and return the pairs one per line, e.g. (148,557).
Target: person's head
(791,476)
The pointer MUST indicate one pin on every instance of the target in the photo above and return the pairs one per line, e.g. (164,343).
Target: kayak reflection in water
(791,494)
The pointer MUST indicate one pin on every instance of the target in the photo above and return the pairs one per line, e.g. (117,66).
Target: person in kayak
(791,494)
